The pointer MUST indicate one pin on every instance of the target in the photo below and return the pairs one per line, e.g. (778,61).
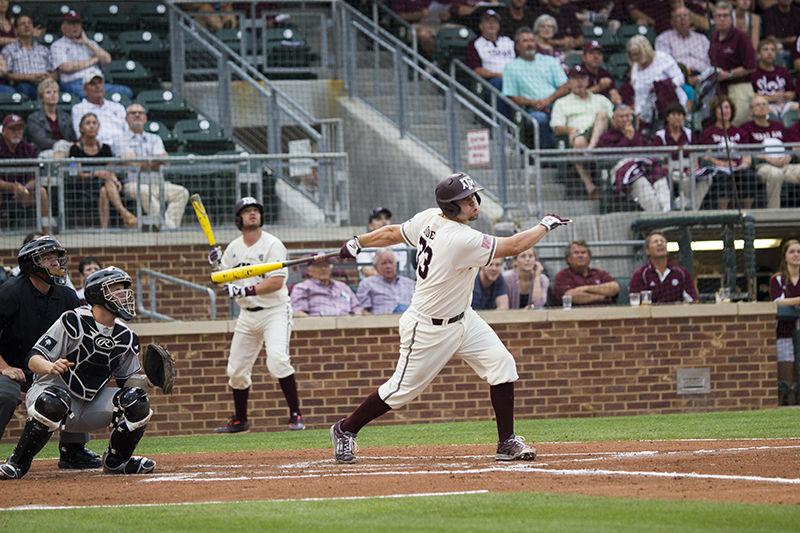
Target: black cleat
(78,457)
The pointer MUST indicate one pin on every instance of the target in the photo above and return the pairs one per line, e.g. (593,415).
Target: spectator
(99,183)
(28,62)
(49,127)
(149,181)
(75,57)
(490,52)
(649,71)
(517,14)
(656,13)
(675,133)
(600,80)
(746,21)
(773,82)
(669,282)
(775,166)
(544,30)
(7,31)
(214,16)
(599,12)
(587,286)
(566,26)
(642,178)
(526,282)
(490,290)
(21,186)
(782,22)
(386,292)
(582,116)
(467,12)
(322,296)
(784,289)
(726,163)
(684,44)
(86,267)
(732,54)
(379,217)
(426,18)
(110,114)
(534,81)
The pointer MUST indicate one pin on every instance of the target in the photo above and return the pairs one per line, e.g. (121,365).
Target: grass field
(469,512)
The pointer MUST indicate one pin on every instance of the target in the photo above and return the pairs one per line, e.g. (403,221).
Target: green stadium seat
(171,143)
(451,43)
(232,38)
(285,49)
(626,31)
(102,39)
(790,118)
(16,103)
(152,16)
(131,73)
(622,297)
(119,98)
(107,17)
(49,15)
(147,48)
(67,100)
(201,136)
(165,106)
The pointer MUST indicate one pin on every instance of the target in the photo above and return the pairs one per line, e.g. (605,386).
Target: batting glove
(350,249)
(235,291)
(552,221)
(215,256)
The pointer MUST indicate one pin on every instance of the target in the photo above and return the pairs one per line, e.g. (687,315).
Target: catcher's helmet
(453,188)
(247,201)
(119,302)
(30,255)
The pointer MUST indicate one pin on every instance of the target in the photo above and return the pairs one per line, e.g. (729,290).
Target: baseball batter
(265,318)
(440,322)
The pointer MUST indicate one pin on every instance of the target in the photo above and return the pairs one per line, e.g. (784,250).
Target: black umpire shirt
(26,313)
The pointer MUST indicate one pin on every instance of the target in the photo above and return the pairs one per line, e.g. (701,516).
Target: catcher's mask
(99,291)
(30,259)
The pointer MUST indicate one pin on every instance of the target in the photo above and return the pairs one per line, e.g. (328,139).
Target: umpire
(29,304)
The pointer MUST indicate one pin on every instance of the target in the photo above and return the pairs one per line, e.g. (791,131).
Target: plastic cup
(566,301)
(646,297)
(634,299)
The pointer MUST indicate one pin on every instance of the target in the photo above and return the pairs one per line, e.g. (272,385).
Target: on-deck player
(265,318)
(440,322)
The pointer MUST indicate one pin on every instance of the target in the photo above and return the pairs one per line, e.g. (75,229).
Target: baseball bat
(202,218)
(248,271)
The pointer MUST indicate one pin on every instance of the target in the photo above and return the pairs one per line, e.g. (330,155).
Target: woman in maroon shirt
(784,288)
(725,165)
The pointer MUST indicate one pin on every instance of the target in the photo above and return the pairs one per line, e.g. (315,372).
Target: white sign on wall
(478,148)
(300,167)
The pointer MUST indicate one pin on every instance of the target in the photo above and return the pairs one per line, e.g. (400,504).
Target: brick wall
(571,363)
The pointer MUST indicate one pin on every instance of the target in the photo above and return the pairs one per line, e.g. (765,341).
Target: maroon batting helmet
(453,188)
(247,201)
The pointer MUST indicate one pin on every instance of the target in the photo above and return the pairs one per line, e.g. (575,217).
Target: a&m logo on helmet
(466,182)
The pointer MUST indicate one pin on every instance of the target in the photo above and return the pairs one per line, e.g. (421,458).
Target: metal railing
(153,277)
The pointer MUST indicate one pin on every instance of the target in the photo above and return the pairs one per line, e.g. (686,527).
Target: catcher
(81,352)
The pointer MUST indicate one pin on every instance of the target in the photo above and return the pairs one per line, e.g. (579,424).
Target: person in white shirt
(149,181)
(647,67)
(440,322)
(75,56)
(684,44)
(111,115)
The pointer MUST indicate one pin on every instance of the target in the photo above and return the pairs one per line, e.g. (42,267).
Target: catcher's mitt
(159,366)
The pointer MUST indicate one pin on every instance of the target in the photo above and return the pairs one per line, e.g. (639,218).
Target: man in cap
(111,115)
(75,56)
(582,116)
(20,185)
(489,53)
(321,295)
(600,80)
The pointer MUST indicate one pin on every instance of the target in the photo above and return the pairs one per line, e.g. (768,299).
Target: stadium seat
(165,106)
(617,64)
(152,16)
(106,42)
(49,15)
(107,17)
(232,38)
(285,49)
(451,43)
(790,118)
(67,100)
(171,143)
(626,31)
(16,103)
(119,98)
(147,48)
(131,73)
(201,136)
(607,40)
(622,297)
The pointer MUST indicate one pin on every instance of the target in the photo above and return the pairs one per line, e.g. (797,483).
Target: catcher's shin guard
(131,414)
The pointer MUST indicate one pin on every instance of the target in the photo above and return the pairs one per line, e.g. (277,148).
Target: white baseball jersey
(448,256)
(267,249)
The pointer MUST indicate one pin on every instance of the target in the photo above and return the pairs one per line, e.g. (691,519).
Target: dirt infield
(756,471)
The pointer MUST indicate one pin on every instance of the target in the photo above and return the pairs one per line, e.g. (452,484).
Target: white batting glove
(551,221)
(215,256)
(235,291)
(350,249)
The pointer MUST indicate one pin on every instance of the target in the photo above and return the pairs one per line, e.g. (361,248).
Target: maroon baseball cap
(578,70)
(490,13)
(592,45)
(71,16)
(13,120)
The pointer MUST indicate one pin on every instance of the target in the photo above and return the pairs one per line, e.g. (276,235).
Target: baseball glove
(159,366)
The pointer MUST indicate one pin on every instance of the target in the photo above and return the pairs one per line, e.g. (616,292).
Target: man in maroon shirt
(732,54)
(775,166)
(20,186)
(669,282)
(600,80)
(781,21)
(771,81)
(587,286)
(516,15)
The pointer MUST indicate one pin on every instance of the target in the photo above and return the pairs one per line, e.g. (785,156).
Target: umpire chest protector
(98,354)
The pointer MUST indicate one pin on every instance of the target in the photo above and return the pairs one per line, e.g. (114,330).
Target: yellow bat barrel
(242,272)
